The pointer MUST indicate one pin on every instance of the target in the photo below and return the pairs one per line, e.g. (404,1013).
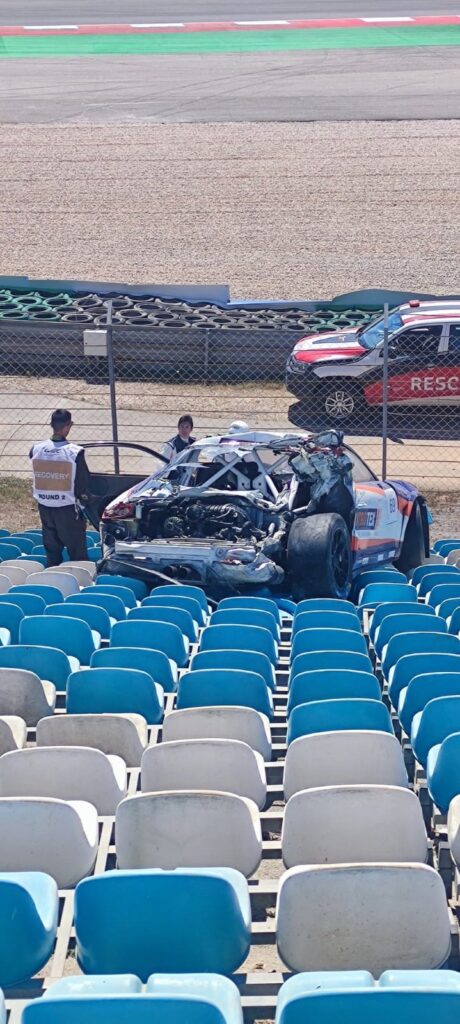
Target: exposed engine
(226,521)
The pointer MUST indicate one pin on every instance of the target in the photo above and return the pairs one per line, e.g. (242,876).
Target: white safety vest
(54,468)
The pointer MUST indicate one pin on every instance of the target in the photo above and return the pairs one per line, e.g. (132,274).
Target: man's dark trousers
(63,528)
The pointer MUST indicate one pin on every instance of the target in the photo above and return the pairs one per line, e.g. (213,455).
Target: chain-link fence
(221,374)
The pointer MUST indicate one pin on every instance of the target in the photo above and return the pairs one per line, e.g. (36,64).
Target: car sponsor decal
(366,518)
(416,386)
(375,543)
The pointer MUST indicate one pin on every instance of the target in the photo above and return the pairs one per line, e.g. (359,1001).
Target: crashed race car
(296,514)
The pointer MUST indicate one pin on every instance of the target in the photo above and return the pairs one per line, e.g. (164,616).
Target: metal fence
(220,375)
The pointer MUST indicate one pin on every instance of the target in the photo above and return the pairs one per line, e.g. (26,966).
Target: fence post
(385,393)
(113,397)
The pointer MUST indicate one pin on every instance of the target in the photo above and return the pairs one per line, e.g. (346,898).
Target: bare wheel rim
(339,403)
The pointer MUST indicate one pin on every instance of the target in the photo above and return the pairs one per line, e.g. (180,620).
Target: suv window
(454,338)
(417,341)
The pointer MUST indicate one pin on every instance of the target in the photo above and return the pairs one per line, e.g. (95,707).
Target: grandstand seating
(159,736)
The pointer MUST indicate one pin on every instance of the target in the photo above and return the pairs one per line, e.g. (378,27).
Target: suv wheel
(339,401)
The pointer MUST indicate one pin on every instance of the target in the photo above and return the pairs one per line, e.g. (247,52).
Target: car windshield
(373,334)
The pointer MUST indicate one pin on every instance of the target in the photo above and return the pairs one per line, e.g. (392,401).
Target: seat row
(199,919)
(319,997)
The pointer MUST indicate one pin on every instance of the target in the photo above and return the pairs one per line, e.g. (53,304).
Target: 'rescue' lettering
(428,385)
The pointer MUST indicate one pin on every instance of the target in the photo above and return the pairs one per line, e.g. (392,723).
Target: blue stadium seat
(160,636)
(440,576)
(144,922)
(443,771)
(178,616)
(47,662)
(247,661)
(182,589)
(95,553)
(387,574)
(250,638)
(312,660)
(98,691)
(447,608)
(424,688)
(30,604)
(428,570)
(50,595)
(124,594)
(93,535)
(39,549)
(329,684)
(5,533)
(237,617)
(138,588)
(8,551)
(395,608)
(440,718)
(353,997)
(224,687)
(325,620)
(454,622)
(380,593)
(325,640)
(168,999)
(11,616)
(411,665)
(25,559)
(189,604)
(96,618)
(25,544)
(73,636)
(28,924)
(325,604)
(264,604)
(416,643)
(446,544)
(155,663)
(442,592)
(333,715)
(113,605)
(393,625)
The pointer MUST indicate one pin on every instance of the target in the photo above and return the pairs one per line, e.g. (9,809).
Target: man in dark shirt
(183,438)
(60,482)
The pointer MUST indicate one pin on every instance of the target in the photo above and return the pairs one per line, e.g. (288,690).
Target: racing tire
(414,544)
(340,401)
(319,557)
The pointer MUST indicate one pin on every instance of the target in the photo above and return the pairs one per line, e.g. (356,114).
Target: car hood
(334,345)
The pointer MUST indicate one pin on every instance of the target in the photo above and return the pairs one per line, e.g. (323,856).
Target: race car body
(343,372)
(296,513)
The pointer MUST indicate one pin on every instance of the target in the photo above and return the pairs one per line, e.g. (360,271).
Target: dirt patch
(281,210)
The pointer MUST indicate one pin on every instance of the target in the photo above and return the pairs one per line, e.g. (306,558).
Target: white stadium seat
(5,583)
(366,917)
(65,773)
(123,734)
(15,574)
(64,581)
(351,824)
(48,835)
(90,567)
(27,564)
(343,758)
(229,723)
(453,829)
(226,765)
(22,693)
(82,576)
(188,829)
(13,733)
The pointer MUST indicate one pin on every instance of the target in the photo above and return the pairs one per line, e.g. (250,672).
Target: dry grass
(18,510)
(282,210)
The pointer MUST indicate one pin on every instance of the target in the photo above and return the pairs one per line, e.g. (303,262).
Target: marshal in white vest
(54,468)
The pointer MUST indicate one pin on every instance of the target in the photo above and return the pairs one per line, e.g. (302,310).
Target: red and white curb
(223,26)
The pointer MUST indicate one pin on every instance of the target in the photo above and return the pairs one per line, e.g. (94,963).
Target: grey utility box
(95,343)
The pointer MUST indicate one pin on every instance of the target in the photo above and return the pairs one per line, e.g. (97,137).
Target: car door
(377,524)
(137,462)
(415,356)
(448,381)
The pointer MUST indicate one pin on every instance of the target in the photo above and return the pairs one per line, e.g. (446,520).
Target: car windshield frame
(371,336)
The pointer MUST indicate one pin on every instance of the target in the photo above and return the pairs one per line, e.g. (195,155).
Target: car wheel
(340,401)
(319,557)
(413,549)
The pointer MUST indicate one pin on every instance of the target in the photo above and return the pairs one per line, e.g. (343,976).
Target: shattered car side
(295,513)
